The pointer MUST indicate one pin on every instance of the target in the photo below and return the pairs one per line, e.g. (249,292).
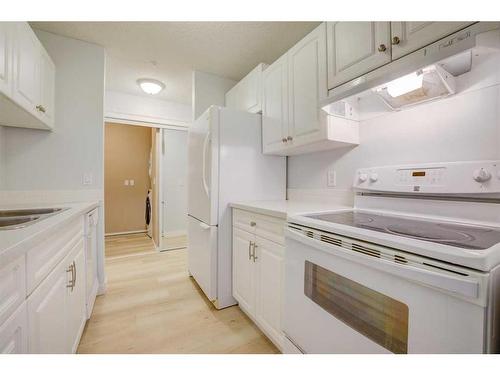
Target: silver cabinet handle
(253,252)
(40,108)
(250,250)
(284,140)
(74,278)
(71,269)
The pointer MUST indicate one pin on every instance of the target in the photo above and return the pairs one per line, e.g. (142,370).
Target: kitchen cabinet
(13,333)
(355,48)
(56,309)
(407,37)
(258,270)
(246,95)
(6,58)
(27,98)
(294,86)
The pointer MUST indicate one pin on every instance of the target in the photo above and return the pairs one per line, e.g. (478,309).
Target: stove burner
(428,232)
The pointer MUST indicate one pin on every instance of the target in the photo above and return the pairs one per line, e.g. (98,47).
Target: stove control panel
(436,178)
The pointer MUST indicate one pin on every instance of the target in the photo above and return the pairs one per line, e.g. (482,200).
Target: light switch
(331,178)
(87,179)
(132,182)
(125,182)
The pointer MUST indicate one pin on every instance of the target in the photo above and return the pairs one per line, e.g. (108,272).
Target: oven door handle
(462,285)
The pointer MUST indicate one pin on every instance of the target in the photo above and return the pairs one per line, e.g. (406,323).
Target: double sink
(17,219)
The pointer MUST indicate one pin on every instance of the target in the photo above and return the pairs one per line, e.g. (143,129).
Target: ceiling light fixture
(150,86)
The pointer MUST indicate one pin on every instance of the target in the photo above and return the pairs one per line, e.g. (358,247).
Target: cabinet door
(6,58)
(77,312)
(409,36)
(269,276)
(26,68)
(355,48)
(275,106)
(13,333)
(47,313)
(307,87)
(47,88)
(243,270)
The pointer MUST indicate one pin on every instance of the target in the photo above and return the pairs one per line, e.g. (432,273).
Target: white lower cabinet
(258,274)
(13,332)
(56,309)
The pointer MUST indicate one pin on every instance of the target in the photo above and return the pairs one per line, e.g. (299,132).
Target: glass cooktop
(458,235)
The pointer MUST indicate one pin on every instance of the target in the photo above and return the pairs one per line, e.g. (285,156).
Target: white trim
(173,124)
(127,232)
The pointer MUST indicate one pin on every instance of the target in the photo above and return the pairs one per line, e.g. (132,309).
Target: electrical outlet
(132,182)
(87,179)
(125,182)
(331,178)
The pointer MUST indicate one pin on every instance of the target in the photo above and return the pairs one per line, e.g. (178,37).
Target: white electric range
(413,268)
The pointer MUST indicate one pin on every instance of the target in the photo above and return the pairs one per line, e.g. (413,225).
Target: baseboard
(128,232)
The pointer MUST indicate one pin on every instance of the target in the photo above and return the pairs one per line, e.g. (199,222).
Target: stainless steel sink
(16,219)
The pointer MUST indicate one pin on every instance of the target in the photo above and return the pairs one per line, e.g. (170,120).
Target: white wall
(144,109)
(208,89)
(57,160)
(462,127)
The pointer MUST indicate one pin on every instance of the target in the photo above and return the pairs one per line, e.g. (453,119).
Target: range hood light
(405,84)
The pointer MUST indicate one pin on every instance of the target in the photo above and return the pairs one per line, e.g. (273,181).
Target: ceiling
(170,51)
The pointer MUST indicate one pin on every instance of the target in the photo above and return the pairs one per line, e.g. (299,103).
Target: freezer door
(203,167)
(202,256)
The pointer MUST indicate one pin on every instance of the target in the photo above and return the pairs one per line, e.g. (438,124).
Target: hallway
(153,306)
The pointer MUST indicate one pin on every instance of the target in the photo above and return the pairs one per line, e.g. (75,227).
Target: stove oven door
(340,300)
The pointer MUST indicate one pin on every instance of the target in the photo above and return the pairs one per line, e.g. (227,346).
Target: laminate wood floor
(153,306)
(128,244)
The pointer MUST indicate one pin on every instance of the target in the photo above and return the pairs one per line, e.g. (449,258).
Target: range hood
(421,76)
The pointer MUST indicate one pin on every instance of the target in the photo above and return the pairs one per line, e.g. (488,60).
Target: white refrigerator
(225,164)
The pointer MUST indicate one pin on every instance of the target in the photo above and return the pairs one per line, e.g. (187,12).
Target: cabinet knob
(382,48)
(396,40)
(284,140)
(40,108)
(289,138)
(253,223)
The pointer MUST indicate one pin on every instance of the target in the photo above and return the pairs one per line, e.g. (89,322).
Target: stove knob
(374,177)
(362,177)
(481,175)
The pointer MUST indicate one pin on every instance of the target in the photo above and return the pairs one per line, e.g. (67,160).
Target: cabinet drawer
(13,332)
(43,257)
(12,287)
(265,226)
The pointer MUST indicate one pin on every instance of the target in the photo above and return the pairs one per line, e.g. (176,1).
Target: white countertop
(284,208)
(18,241)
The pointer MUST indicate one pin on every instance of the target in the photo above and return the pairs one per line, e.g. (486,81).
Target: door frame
(159,147)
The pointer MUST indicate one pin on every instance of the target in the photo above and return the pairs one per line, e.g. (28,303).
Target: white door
(47,88)
(13,333)
(275,106)
(269,280)
(202,167)
(307,87)
(355,48)
(47,313)
(202,256)
(409,36)
(77,312)
(174,177)
(6,58)
(243,269)
(26,68)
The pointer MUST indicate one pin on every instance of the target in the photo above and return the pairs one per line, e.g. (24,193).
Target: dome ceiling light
(150,86)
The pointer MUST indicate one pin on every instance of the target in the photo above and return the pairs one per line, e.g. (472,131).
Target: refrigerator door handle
(204,167)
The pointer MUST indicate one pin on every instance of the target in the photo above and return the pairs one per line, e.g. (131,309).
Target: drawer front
(265,226)
(12,287)
(43,257)
(14,333)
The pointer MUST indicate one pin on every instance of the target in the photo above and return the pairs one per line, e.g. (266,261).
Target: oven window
(382,319)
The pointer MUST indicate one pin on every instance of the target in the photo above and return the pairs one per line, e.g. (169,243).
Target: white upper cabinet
(307,87)
(275,106)
(294,86)
(6,58)
(27,79)
(355,48)
(246,95)
(407,37)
